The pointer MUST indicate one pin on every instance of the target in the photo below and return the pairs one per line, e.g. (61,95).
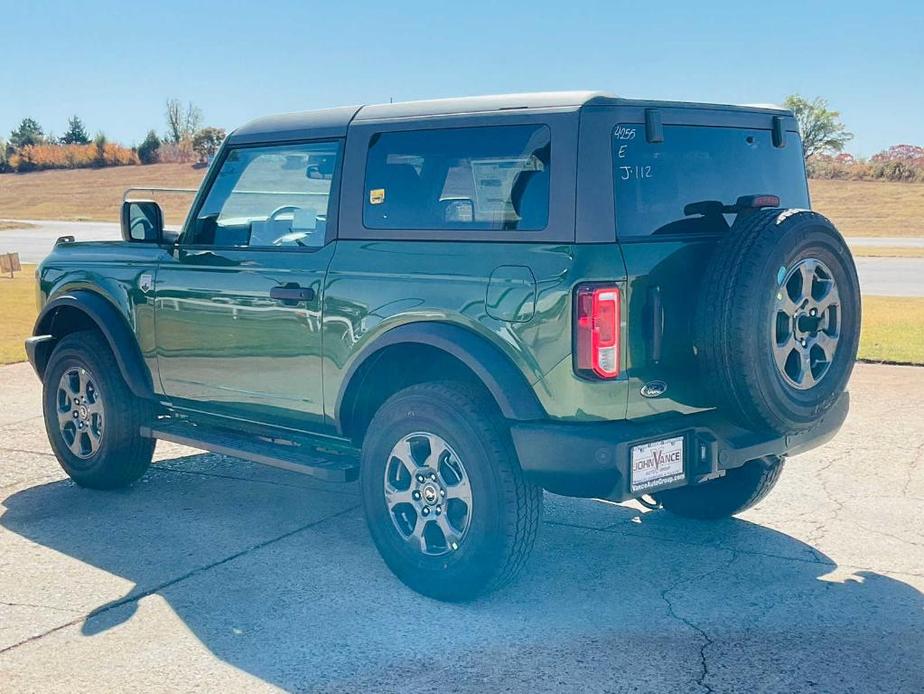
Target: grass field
(17,313)
(859,208)
(871,208)
(94,194)
(893,328)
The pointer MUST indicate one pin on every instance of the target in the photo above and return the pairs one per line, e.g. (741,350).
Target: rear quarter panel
(374,286)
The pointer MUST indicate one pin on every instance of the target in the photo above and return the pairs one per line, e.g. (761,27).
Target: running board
(295,454)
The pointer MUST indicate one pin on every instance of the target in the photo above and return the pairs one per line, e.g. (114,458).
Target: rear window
(485,178)
(655,181)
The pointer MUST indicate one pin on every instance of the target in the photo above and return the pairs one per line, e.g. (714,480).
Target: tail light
(596,326)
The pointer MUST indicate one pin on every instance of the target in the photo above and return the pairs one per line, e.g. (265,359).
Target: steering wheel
(280,210)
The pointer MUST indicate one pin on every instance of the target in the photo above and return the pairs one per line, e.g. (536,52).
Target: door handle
(292,293)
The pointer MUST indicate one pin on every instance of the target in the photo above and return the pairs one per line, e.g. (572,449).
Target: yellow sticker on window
(376,196)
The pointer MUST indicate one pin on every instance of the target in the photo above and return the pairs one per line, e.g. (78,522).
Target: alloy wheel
(806,325)
(80,413)
(428,493)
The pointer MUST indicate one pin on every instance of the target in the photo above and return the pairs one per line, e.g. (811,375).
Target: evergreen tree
(29,132)
(76,133)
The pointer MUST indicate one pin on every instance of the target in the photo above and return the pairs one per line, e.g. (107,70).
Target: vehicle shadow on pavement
(277,576)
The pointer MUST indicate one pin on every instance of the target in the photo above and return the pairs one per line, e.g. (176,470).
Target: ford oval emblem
(653,389)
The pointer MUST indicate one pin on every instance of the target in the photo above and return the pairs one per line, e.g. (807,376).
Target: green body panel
(218,343)
(112,269)
(225,346)
(375,286)
(674,267)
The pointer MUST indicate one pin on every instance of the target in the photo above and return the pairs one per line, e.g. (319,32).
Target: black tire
(740,489)
(505,508)
(737,318)
(119,455)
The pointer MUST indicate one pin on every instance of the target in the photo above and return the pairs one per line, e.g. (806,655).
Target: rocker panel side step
(294,455)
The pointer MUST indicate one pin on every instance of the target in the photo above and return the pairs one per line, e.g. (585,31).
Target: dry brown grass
(871,208)
(94,194)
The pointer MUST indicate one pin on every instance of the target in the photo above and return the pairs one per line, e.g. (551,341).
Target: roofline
(334,122)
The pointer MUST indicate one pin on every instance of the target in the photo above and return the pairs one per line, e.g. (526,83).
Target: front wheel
(92,418)
(445,499)
(738,490)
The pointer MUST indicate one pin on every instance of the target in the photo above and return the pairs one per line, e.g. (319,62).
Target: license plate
(656,464)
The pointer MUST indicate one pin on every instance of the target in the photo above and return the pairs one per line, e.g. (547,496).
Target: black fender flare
(506,383)
(112,325)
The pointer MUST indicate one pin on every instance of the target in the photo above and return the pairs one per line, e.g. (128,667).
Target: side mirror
(142,220)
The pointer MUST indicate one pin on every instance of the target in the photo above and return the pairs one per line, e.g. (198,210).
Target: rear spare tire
(778,322)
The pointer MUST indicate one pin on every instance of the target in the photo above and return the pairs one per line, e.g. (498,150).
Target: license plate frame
(657,464)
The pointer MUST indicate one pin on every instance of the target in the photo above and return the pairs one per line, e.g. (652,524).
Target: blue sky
(115,67)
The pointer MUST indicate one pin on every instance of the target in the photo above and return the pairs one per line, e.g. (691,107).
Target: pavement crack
(135,597)
(39,607)
(707,640)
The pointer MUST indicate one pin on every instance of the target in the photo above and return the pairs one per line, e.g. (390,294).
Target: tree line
(824,141)
(185,139)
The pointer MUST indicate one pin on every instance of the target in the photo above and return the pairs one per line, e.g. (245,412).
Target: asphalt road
(878,276)
(216,574)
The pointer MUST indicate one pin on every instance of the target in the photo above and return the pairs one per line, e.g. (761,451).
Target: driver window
(273,197)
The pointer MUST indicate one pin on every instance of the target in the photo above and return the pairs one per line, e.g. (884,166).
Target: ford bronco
(461,303)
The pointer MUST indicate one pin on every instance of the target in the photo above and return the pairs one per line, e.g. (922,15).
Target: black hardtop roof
(333,122)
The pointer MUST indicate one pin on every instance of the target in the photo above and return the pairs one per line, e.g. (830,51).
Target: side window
(273,196)
(485,178)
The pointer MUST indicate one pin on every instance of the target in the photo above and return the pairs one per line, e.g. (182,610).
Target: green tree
(29,132)
(4,157)
(821,128)
(100,143)
(207,141)
(76,133)
(147,150)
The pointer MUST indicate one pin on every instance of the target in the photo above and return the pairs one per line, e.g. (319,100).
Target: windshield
(655,181)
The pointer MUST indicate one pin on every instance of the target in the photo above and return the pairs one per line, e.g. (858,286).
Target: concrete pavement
(214,574)
(878,276)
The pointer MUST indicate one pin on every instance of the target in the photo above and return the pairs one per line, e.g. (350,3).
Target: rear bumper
(593,459)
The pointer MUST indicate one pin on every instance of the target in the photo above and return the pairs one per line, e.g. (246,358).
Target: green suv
(464,302)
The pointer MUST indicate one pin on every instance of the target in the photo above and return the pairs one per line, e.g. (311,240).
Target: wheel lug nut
(416,495)
(75,414)
(804,343)
(420,478)
(439,510)
(813,312)
(442,492)
(432,475)
(425,511)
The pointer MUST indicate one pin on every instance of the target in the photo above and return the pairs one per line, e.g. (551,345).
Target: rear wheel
(445,500)
(738,490)
(92,418)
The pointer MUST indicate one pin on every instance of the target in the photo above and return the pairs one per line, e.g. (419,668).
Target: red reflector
(765,201)
(597,331)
